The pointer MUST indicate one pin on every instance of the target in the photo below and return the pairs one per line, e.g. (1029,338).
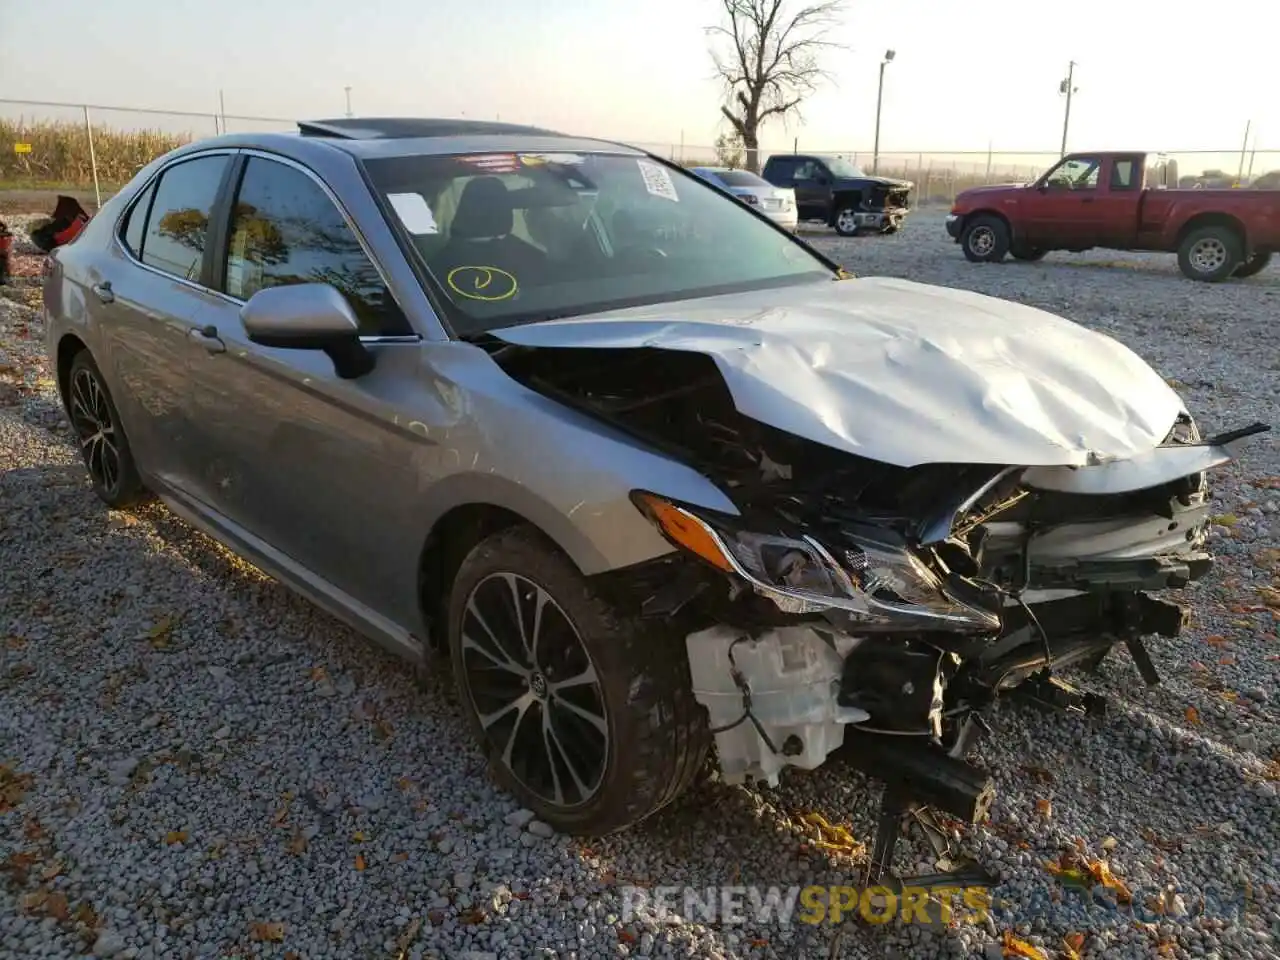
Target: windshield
(741,178)
(516,238)
(841,167)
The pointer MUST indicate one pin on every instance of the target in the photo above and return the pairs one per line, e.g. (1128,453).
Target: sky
(1150,75)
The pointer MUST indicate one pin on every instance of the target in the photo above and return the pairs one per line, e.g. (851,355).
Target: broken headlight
(872,583)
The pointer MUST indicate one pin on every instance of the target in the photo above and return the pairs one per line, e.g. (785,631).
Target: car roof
(375,137)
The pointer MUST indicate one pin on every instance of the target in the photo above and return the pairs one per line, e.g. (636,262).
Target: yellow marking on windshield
(469,282)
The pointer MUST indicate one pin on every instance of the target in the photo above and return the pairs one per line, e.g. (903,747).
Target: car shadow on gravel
(1164,269)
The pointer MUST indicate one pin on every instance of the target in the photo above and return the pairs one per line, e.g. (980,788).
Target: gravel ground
(198,764)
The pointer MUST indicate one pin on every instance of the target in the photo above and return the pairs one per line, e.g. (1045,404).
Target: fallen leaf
(1225,520)
(51,871)
(1013,947)
(1072,944)
(472,917)
(13,787)
(1038,773)
(283,813)
(832,838)
(1101,872)
(158,636)
(297,843)
(359,862)
(358,837)
(56,906)
(84,913)
(319,673)
(759,942)
(33,829)
(34,902)
(175,836)
(404,784)
(626,936)
(400,858)
(406,938)
(1044,808)
(1216,640)
(266,932)
(1110,844)
(1193,715)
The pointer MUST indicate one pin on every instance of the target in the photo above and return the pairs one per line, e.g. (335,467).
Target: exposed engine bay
(854,600)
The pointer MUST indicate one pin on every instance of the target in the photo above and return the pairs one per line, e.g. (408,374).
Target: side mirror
(308,316)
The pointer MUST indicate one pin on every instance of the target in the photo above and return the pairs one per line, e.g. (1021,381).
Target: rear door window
(782,168)
(178,225)
(1122,174)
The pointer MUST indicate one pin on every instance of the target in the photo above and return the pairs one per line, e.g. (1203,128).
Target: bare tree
(768,59)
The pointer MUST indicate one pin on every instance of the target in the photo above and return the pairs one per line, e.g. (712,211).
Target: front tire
(585,714)
(1210,254)
(104,447)
(1254,264)
(985,239)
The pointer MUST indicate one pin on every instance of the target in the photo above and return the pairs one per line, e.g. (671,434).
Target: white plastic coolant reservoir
(794,676)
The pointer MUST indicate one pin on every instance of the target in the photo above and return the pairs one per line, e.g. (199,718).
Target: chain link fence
(90,151)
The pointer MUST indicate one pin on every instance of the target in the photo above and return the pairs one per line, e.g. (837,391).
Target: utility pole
(1244,148)
(875,157)
(1068,87)
(222,110)
(348,92)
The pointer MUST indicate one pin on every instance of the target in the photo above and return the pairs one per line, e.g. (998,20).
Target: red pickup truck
(1103,200)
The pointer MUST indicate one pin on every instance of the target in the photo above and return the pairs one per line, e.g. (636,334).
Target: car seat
(480,234)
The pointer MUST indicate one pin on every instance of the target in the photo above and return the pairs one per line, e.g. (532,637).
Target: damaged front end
(882,206)
(876,609)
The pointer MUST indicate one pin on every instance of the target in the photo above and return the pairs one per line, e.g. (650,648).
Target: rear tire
(1210,254)
(846,222)
(1254,264)
(985,239)
(589,757)
(104,448)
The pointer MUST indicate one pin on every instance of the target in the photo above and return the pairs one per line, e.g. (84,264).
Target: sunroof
(400,128)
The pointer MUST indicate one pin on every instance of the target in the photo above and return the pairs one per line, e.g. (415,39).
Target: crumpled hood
(889,182)
(903,372)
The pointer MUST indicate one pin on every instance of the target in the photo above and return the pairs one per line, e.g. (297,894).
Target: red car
(1103,200)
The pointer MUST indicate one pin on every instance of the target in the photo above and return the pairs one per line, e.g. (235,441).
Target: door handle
(103,291)
(208,338)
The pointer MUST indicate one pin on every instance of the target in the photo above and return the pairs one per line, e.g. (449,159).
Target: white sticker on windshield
(540,159)
(414,213)
(657,180)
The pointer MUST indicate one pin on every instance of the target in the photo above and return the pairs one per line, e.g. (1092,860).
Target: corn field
(60,152)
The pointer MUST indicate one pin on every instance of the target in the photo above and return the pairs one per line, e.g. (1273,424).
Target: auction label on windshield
(657,180)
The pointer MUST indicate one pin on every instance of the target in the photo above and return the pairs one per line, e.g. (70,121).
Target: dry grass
(60,153)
